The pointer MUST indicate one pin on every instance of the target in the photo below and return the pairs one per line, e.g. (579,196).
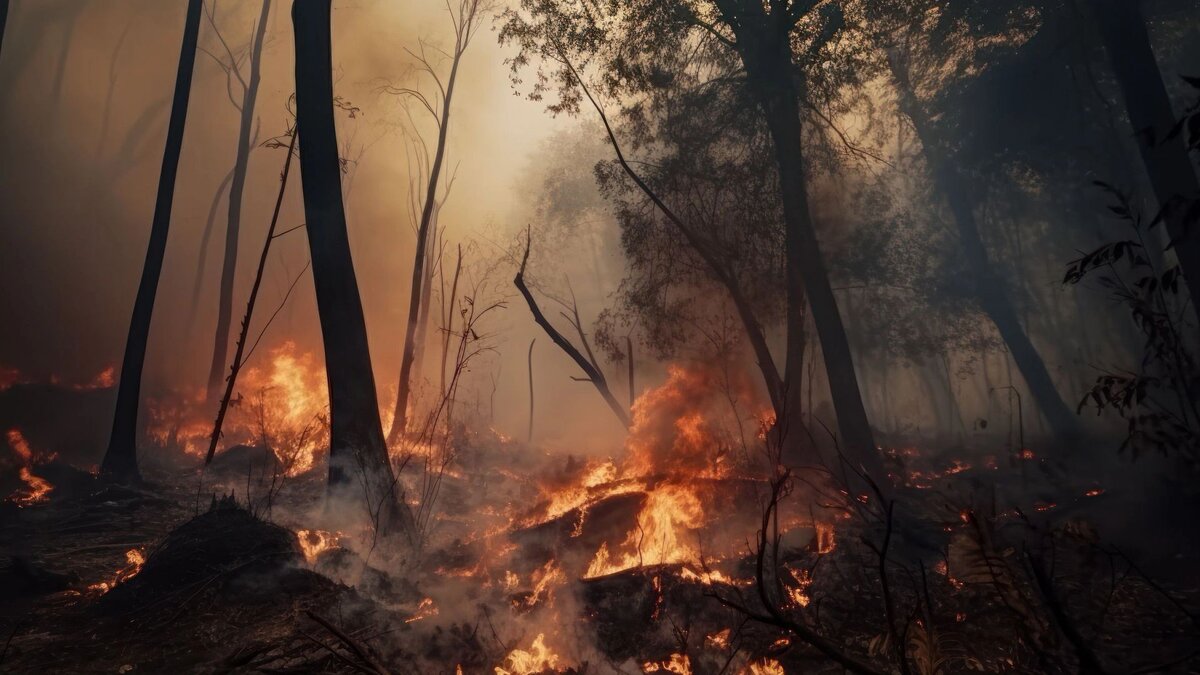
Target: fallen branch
(369,664)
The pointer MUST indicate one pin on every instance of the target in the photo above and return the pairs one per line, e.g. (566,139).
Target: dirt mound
(227,551)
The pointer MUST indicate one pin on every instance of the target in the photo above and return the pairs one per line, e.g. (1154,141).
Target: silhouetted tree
(1171,174)
(777,44)
(465,21)
(120,460)
(356,448)
(237,185)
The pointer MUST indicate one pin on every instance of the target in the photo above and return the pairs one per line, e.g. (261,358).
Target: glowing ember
(37,489)
(798,593)
(425,609)
(314,542)
(823,537)
(538,659)
(765,667)
(134,559)
(678,664)
(1094,492)
(718,640)
(1026,453)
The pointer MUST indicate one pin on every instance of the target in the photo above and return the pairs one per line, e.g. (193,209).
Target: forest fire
(36,489)
(282,406)
(559,337)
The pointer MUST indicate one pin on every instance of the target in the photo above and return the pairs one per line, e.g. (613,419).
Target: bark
(120,460)
(357,450)
(763,44)
(1123,30)
(986,285)
(237,187)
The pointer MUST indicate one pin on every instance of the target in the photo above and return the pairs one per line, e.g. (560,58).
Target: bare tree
(3,21)
(356,435)
(120,460)
(588,363)
(465,20)
(245,103)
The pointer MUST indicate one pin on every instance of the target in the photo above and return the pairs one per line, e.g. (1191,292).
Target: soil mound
(226,551)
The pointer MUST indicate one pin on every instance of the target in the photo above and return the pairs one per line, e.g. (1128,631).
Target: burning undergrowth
(688,552)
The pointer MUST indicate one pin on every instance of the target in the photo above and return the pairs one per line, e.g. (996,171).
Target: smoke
(83,126)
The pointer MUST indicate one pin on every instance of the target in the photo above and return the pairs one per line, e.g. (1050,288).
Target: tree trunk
(767,59)
(3,22)
(1123,30)
(989,289)
(120,460)
(216,371)
(404,387)
(356,445)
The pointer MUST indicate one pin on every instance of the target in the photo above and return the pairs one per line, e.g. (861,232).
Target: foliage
(1159,399)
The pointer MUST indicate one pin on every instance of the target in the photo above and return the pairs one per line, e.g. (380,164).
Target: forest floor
(174,576)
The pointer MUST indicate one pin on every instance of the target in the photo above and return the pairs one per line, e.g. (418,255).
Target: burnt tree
(356,449)
(237,186)
(120,460)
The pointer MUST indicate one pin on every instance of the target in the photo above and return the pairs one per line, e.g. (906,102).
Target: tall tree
(775,44)
(1172,177)
(120,460)
(762,36)
(357,452)
(237,186)
(464,21)
(987,287)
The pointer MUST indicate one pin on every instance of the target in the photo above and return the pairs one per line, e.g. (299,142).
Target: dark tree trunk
(3,22)
(120,460)
(764,46)
(356,447)
(1123,30)
(216,371)
(988,288)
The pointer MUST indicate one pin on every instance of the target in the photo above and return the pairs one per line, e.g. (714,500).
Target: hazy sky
(81,135)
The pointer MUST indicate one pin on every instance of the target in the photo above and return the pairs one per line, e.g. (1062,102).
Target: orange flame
(315,542)
(37,489)
(679,664)
(134,559)
(538,659)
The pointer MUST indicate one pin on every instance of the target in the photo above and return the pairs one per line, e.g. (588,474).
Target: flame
(679,664)
(37,489)
(425,609)
(765,667)
(660,536)
(823,536)
(798,593)
(718,640)
(282,404)
(538,659)
(314,542)
(134,559)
